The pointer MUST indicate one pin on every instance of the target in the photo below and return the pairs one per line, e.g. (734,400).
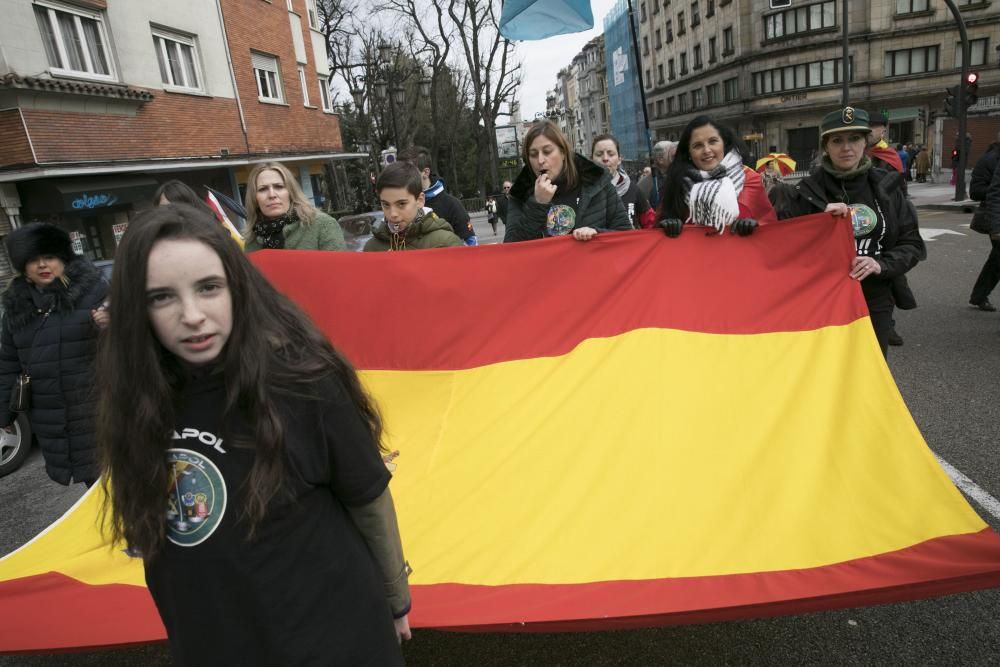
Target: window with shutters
(75,40)
(268,76)
(177,56)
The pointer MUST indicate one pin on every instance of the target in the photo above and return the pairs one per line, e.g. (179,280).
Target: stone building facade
(772,68)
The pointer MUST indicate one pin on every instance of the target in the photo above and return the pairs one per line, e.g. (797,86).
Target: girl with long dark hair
(243,460)
(606,150)
(707,183)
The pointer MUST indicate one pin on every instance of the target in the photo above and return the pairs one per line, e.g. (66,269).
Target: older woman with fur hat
(49,333)
(886,234)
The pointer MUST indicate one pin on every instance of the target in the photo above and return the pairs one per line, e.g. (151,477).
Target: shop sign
(796,97)
(119,231)
(76,238)
(88,201)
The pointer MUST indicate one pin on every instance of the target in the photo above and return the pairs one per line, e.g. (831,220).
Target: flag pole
(642,90)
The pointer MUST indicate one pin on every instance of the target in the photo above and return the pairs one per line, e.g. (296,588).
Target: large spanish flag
(628,432)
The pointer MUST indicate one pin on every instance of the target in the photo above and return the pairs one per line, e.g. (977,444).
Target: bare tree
(486,57)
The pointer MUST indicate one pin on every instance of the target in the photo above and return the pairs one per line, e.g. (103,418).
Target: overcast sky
(543,59)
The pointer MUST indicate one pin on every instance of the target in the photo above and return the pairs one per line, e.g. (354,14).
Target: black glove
(744,226)
(671,226)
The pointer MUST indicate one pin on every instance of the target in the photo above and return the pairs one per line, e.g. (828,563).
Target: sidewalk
(939,196)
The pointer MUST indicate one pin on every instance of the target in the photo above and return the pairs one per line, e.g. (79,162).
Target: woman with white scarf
(605,150)
(707,184)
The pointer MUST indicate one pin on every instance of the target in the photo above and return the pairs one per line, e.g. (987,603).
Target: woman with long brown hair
(560,192)
(243,460)
(280,217)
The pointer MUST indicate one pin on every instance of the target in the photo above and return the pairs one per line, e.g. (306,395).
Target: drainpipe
(232,74)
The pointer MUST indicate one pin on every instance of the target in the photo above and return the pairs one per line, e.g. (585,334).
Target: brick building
(103,100)
(772,68)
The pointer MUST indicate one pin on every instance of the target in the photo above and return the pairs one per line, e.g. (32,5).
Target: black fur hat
(37,239)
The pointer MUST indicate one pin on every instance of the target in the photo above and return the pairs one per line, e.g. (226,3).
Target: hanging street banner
(634,431)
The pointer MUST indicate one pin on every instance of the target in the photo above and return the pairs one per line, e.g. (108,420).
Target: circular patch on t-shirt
(560,220)
(863,219)
(196,499)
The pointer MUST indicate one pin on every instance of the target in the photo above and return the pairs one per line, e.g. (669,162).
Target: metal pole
(845,68)
(963,149)
(642,89)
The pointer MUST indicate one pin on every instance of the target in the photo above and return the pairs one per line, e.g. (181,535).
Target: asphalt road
(947,371)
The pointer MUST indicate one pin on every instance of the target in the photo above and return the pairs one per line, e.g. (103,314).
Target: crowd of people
(275,420)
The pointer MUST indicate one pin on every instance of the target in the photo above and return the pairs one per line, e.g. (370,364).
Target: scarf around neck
(863,168)
(623,182)
(434,190)
(712,196)
(269,230)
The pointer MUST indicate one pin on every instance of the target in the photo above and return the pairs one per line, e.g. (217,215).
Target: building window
(267,74)
(684,63)
(645,45)
(670,69)
(649,110)
(659,75)
(75,41)
(324,93)
(177,57)
(659,108)
(711,50)
(313,14)
(670,105)
(305,88)
(642,13)
(911,6)
(797,77)
(656,6)
(697,56)
(695,14)
(670,31)
(712,92)
(682,102)
(657,40)
(680,23)
(697,98)
(977,52)
(808,18)
(727,42)
(731,88)
(709,8)
(649,80)
(911,61)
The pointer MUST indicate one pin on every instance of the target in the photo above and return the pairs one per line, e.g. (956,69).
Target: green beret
(848,119)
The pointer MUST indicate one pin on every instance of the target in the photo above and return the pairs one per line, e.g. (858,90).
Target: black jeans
(882,323)
(988,277)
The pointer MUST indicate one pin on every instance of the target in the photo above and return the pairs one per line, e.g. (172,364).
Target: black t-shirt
(305,590)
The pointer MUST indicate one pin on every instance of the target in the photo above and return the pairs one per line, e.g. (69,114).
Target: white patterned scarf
(711,196)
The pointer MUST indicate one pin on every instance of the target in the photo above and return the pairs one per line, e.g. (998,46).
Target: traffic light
(951,101)
(971,88)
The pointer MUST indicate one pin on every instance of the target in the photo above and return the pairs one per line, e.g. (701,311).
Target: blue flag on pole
(538,19)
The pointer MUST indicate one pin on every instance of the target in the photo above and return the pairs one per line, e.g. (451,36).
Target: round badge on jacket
(560,220)
(863,219)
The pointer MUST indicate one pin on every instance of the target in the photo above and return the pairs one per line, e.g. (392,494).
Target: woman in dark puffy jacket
(49,333)
(560,192)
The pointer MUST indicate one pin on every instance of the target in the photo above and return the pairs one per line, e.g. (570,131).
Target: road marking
(929,233)
(971,489)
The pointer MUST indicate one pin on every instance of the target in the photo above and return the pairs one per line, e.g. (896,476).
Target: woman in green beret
(885,224)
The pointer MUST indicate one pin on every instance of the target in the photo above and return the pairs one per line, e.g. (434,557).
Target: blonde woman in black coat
(49,332)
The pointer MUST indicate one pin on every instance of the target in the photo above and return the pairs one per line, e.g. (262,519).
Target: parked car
(358,228)
(15,445)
